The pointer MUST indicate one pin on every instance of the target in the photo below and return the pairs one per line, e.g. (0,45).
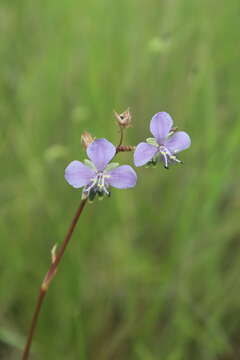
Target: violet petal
(77,174)
(101,151)
(160,125)
(144,153)
(122,177)
(178,142)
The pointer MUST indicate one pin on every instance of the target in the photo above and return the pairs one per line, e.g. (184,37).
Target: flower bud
(124,119)
(86,139)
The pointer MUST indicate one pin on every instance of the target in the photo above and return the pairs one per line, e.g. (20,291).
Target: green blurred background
(153,272)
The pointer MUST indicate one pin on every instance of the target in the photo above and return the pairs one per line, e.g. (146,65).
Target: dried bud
(124,119)
(86,139)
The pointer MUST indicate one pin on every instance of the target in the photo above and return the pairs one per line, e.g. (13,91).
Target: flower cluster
(97,174)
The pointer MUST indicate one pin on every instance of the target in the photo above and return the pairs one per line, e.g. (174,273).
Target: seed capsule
(124,119)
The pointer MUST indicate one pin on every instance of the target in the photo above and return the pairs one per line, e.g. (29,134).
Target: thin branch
(120,147)
(49,277)
(121,136)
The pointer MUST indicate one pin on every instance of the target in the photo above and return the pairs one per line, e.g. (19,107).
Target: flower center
(167,156)
(97,185)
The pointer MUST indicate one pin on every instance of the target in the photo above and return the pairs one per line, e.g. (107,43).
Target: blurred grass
(152,273)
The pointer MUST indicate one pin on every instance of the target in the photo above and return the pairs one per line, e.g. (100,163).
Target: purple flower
(165,144)
(97,175)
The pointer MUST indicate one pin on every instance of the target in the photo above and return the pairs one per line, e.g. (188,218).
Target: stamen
(105,190)
(165,153)
(165,159)
(88,187)
(174,158)
(97,186)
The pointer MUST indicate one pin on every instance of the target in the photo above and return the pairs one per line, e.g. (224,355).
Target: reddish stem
(123,148)
(49,277)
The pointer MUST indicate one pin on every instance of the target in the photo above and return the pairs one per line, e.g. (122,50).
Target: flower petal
(77,174)
(101,151)
(178,142)
(122,177)
(144,153)
(160,125)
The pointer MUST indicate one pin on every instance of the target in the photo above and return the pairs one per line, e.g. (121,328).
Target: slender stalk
(56,258)
(120,147)
(121,136)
